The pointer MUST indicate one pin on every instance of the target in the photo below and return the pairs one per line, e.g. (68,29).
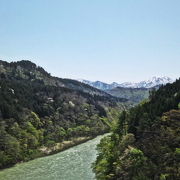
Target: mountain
(38,110)
(145,142)
(134,92)
(134,95)
(100,85)
(29,71)
(154,81)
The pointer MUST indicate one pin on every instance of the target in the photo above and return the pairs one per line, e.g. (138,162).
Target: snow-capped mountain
(154,81)
(100,85)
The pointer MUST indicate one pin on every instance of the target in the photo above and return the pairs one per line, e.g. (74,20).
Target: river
(72,164)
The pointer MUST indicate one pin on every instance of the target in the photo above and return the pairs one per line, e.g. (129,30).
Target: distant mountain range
(154,81)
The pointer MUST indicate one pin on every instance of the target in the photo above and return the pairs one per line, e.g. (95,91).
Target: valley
(89,90)
(42,115)
(38,110)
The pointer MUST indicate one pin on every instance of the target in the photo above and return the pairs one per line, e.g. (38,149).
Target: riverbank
(71,164)
(59,147)
(44,151)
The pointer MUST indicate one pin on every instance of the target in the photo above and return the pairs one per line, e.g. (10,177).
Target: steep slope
(29,71)
(145,142)
(37,109)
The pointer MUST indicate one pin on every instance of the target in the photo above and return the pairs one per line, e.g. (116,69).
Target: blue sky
(107,40)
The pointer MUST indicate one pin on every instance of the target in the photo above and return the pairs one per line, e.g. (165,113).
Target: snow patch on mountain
(154,81)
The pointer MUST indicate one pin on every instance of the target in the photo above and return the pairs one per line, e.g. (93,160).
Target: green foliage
(177,151)
(145,141)
(121,127)
(50,143)
(37,109)
(163,176)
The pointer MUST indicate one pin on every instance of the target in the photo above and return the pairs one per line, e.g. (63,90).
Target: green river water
(72,164)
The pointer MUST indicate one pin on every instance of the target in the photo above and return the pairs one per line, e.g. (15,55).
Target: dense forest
(145,144)
(37,109)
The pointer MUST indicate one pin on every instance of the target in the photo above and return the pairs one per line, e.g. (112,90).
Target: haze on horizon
(110,41)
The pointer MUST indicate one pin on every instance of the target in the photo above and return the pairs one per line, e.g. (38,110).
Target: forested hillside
(29,71)
(37,109)
(135,95)
(145,144)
